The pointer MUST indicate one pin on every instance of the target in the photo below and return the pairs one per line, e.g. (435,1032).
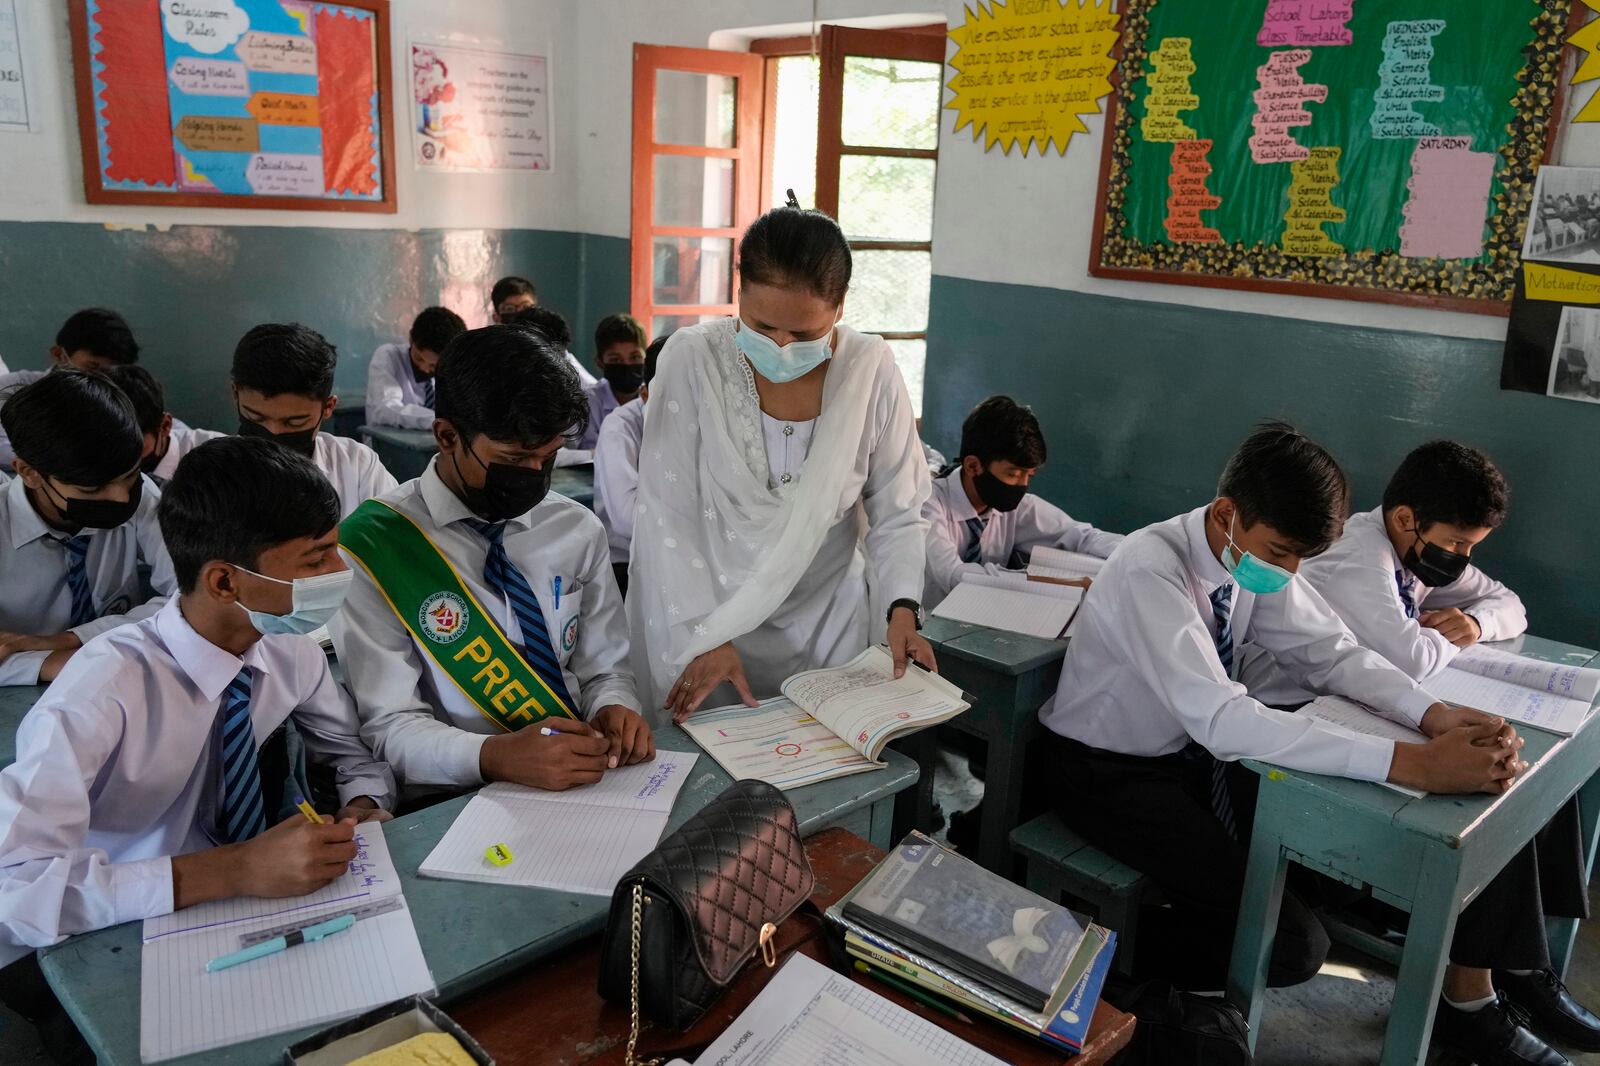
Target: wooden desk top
(551,1014)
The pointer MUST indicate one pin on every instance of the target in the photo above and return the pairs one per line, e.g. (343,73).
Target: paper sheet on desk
(1347,716)
(1525,706)
(581,840)
(184,1010)
(808,1014)
(1011,602)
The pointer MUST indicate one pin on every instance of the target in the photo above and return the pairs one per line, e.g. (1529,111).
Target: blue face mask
(1252,574)
(316,600)
(781,363)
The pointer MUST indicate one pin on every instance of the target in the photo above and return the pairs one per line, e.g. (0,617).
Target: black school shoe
(1497,1035)
(1556,1015)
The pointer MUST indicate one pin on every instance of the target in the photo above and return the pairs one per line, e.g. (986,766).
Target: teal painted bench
(1059,860)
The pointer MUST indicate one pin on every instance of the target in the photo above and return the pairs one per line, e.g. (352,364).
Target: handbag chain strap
(633,1031)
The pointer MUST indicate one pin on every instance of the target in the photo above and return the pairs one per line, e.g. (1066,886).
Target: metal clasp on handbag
(769,951)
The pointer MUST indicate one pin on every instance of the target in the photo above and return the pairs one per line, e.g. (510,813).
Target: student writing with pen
(485,604)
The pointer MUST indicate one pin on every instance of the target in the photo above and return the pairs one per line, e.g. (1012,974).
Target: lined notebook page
(1062,565)
(582,840)
(1559,714)
(184,1010)
(1012,608)
(1347,716)
(1558,679)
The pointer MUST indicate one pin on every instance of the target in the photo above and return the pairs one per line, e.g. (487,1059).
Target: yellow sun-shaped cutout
(1028,70)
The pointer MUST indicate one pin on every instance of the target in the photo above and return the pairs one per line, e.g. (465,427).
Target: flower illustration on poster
(479,109)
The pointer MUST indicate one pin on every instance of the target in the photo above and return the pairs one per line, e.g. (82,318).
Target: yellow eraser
(1277,775)
(498,854)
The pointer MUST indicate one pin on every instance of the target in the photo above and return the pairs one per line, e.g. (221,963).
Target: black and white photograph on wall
(1564,221)
(1575,368)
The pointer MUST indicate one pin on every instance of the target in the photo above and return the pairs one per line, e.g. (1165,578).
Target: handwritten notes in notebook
(809,1014)
(1347,716)
(184,1010)
(1527,706)
(582,840)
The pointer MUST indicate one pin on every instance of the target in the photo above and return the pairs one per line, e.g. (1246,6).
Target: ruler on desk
(366,910)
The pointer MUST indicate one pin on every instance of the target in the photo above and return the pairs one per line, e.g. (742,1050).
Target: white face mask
(316,600)
(779,363)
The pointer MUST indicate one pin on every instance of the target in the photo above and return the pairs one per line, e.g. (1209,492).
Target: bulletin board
(235,103)
(1353,149)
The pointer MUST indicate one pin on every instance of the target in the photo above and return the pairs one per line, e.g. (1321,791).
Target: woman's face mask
(780,363)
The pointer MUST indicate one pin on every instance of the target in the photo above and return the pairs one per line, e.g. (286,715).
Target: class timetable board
(1348,148)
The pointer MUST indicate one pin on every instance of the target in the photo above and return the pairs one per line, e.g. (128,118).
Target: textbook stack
(930,918)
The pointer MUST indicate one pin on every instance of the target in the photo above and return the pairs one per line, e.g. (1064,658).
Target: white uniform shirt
(616,475)
(584,377)
(1360,577)
(394,395)
(118,770)
(602,401)
(33,575)
(354,470)
(1035,522)
(1142,676)
(412,713)
(183,440)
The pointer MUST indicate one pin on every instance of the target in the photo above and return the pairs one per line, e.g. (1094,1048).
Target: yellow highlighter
(306,809)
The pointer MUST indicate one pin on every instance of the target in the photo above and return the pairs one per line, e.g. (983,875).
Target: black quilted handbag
(690,914)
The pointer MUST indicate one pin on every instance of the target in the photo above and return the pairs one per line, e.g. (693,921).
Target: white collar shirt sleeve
(616,475)
(394,397)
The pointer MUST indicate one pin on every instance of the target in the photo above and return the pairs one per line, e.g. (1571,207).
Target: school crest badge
(443,617)
(569,634)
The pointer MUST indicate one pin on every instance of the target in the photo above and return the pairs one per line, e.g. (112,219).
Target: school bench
(1007,676)
(1059,860)
(578,1028)
(472,934)
(405,453)
(1429,856)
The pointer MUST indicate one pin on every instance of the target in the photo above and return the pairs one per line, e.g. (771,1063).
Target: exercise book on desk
(1058,564)
(582,840)
(1012,602)
(828,723)
(1347,716)
(184,1010)
(1550,696)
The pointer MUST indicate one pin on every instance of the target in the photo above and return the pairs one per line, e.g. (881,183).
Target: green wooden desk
(407,452)
(349,414)
(472,934)
(15,702)
(1008,675)
(1428,856)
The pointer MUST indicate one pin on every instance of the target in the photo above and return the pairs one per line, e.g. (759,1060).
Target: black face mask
(98,514)
(624,377)
(149,463)
(303,441)
(1435,566)
(507,491)
(997,494)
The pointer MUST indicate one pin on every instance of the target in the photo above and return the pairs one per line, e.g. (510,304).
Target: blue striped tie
(1408,592)
(974,549)
(242,816)
(502,576)
(427,393)
(1221,802)
(77,549)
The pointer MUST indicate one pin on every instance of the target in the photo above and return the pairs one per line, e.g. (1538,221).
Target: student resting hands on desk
(771,437)
(484,635)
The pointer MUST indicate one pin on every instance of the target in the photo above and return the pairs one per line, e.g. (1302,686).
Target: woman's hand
(906,643)
(704,674)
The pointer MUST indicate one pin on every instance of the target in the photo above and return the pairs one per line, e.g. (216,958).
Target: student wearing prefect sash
(484,637)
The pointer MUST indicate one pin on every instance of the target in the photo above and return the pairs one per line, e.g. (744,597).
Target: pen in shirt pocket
(556,586)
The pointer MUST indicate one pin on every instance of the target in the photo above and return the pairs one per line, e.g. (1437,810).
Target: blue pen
(558,593)
(309,934)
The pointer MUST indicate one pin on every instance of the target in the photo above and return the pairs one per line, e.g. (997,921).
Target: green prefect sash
(453,628)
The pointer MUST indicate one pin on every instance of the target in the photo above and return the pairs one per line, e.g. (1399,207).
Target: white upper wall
(41,174)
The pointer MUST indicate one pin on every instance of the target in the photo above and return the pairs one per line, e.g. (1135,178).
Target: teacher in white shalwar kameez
(780,467)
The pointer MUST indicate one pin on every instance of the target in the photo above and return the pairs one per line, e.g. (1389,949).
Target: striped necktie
(1221,803)
(77,549)
(427,393)
(1408,592)
(973,552)
(503,576)
(242,816)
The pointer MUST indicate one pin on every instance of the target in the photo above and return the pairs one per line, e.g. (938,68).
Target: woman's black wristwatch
(912,605)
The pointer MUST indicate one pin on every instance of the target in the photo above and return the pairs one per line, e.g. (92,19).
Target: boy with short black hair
(166,438)
(554,328)
(1148,716)
(283,390)
(619,352)
(484,634)
(616,468)
(95,338)
(140,786)
(981,517)
(400,376)
(511,294)
(75,523)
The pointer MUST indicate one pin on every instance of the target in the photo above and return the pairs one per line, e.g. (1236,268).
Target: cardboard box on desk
(378,1029)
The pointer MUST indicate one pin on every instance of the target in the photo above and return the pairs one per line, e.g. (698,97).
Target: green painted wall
(192,291)
(1143,402)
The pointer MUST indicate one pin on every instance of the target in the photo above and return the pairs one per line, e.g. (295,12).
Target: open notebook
(1550,696)
(1347,716)
(1012,602)
(828,723)
(1058,564)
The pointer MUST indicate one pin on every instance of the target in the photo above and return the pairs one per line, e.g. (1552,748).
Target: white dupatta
(716,551)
